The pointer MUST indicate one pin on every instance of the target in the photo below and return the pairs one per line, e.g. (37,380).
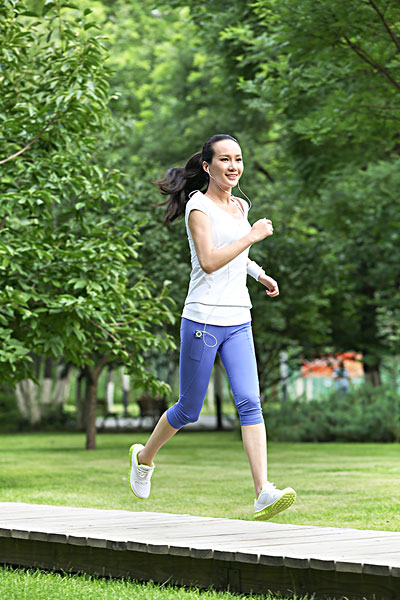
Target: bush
(364,414)
(11,420)
(9,415)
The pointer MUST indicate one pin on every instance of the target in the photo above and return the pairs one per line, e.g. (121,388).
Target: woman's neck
(216,193)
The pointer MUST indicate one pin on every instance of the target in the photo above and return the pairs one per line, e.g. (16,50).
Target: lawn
(19,584)
(339,485)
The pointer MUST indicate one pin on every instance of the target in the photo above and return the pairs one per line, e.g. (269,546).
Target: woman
(216,315)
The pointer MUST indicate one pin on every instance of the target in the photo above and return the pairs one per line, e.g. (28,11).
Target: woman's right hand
(261,229)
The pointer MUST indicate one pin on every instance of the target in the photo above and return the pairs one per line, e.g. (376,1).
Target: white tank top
(221,297)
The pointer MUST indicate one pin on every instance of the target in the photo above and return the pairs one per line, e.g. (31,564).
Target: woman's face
(226,166)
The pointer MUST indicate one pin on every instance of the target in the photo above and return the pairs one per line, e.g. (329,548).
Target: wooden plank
(268,539)
(351,547)
(338,554)
(239,554)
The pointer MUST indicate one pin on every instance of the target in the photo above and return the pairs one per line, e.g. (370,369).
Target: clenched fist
(261,229)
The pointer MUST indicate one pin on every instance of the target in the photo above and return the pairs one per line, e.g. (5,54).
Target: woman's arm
(271,285)
(211,259)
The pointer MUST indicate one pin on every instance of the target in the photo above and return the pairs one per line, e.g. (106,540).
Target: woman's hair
(179,182)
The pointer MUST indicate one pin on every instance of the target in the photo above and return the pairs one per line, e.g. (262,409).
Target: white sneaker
(140,475)
(272,501)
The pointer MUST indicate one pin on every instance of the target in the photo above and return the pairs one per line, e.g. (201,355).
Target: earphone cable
(204,332)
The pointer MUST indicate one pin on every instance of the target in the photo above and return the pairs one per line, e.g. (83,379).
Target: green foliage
(323,81)
(70,279)
(310,91)
(363,204)
(174,90)
(363,414)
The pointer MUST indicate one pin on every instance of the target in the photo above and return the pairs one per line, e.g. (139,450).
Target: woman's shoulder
(197,199)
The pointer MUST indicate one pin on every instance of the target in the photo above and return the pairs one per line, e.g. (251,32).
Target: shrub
(9,415)
(364,414)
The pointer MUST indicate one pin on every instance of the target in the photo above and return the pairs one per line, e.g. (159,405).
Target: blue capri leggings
(236,348)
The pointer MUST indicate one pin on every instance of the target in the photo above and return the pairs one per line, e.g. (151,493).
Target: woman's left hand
(271,285)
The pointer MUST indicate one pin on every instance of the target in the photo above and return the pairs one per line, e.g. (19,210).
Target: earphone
(212,177)
(222,189)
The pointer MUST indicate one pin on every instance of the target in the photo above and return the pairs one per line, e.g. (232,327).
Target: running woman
(216,315)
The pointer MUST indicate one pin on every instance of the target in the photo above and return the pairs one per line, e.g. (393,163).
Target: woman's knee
(178,417)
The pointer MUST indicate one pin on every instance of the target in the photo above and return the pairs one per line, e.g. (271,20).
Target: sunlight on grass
(206,474)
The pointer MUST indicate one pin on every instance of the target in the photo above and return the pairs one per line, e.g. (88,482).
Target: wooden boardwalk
(242,556)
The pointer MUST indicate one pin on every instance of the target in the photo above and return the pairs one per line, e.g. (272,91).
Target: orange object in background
(325,366)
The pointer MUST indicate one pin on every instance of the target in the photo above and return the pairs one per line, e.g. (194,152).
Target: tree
(325,79)
(71,282)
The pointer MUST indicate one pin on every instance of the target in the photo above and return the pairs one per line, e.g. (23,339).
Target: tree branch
(362,54)
(107,333)
(265,172)
(95,371)
(382,18)
(30,143)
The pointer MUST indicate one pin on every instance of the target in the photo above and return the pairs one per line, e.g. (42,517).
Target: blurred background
(98,99)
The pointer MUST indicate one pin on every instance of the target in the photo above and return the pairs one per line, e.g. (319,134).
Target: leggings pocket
(196,348)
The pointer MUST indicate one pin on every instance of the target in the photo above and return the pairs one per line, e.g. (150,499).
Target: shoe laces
(268,487)
(144,474)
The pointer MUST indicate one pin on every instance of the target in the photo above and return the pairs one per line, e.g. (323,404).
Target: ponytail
(178,183)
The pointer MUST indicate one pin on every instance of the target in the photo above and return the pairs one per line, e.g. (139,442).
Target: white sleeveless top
(221,297)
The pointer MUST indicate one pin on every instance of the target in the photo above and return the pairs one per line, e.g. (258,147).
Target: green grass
(37,585)
(338,485)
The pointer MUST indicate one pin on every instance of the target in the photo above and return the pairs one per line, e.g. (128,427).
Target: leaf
(48,5)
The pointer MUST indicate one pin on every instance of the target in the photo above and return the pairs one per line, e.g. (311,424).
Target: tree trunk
(80,404)
(45,392)
(284,373)
(91,405)
(125,388)
(110,391)
(372,374)
(22,403)
(63,384)
(27,400)
(92,378)
(370,344)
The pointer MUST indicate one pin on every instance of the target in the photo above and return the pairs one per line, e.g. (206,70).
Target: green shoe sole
(276,507)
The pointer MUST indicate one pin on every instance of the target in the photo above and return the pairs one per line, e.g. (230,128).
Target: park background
(98,99)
